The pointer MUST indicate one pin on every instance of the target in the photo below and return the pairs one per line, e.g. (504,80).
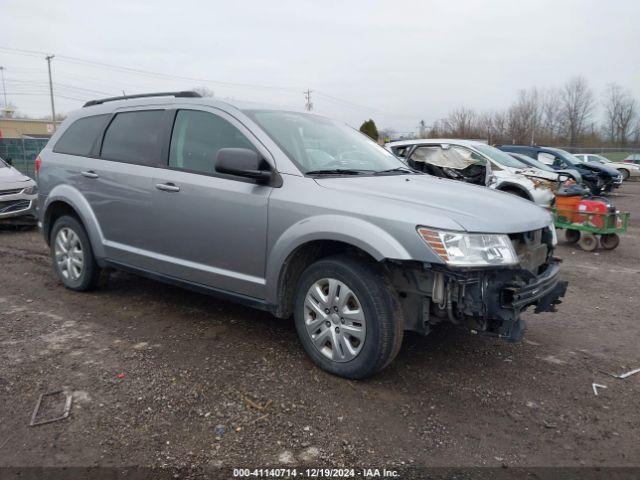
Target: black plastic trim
(182,94)
(195,287)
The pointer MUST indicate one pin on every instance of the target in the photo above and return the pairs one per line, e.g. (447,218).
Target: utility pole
(308,106)
(4,88)
(48,58)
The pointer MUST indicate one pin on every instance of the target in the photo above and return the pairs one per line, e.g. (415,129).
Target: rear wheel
(348,317)
(72,255)
(588,241)
(609,241)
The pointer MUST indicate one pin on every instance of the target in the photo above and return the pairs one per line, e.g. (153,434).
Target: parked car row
(301,216)
(627,170)
(530,172)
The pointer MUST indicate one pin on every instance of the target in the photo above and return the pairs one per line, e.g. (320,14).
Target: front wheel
(348,316)
(625,174)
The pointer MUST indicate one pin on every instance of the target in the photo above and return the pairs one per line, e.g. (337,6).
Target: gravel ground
(169,378)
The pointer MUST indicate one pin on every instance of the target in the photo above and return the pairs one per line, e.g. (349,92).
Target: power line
(165,76)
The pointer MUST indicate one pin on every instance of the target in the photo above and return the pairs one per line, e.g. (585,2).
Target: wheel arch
(66,200)
(509,187)
(306,242)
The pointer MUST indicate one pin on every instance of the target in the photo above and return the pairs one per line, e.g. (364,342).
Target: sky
(397,62)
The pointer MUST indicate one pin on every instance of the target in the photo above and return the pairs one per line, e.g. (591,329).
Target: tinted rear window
(134,137)
(78,139)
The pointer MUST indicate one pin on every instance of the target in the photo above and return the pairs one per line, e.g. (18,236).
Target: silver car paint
(236,236)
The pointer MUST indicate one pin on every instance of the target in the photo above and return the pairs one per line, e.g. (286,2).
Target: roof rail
(184,94)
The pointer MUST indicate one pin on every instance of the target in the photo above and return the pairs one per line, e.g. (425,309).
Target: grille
(14,206)
(10,192)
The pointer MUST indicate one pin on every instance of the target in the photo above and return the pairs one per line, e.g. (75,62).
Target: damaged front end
(484,299)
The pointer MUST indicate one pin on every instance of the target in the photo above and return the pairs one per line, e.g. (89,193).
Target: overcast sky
(394,61)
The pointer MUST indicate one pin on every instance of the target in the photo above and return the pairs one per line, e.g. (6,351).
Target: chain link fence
(22,153)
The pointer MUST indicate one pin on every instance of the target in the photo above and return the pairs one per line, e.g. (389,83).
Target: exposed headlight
(32,190)
(470,249)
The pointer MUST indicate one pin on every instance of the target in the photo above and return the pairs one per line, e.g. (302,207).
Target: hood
(11,175)
(436,202)
(597,167)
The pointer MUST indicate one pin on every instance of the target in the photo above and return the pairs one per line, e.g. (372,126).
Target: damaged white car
(478,163)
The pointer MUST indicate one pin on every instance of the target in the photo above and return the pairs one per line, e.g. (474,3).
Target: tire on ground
(380,305)
(90,275)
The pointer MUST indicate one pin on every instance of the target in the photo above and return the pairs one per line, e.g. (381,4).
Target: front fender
(72,197)
(357,232)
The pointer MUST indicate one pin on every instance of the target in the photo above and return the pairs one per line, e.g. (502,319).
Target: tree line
(564,115)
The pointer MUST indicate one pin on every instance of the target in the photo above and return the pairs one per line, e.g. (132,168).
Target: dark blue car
(599,178)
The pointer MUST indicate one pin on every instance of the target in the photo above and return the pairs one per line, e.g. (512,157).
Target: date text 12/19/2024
(315,473)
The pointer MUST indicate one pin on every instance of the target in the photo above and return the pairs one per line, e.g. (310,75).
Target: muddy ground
(170,378)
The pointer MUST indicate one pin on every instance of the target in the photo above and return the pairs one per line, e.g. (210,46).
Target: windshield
(566,156)
(535,163)
(499,156)
(600,159)
(319,145)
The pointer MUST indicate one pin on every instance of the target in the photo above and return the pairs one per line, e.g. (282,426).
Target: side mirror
(243,162)
(9,161)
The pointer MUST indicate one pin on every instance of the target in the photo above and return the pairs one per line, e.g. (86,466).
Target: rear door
(118,184)
(210,229)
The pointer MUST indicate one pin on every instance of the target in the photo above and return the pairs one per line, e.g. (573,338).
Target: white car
(627,170)
(476,162)
(18,194)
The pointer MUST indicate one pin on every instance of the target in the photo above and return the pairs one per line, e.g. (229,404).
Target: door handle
(89,174)
(168,187)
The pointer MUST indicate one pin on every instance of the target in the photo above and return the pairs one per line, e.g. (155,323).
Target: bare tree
(523,117)
(620,111)
(577,104)
(551,116)
(462,122)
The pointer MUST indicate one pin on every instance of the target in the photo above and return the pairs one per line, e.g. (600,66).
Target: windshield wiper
(337,171)
(397,170)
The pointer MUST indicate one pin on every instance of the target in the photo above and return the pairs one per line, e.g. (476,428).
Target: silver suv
(294,214)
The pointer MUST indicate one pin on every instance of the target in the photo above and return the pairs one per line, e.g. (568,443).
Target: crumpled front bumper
(491,300)
(544,292)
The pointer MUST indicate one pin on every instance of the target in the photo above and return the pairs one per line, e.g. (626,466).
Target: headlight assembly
(470,249)
(32,190)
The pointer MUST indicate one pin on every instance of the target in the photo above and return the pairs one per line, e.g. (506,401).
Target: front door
(209,229)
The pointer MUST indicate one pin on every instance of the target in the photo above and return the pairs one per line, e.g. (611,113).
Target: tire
(625,174)
(588,242)
(572,236)
(609,241)
(368,299)
(78,248)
